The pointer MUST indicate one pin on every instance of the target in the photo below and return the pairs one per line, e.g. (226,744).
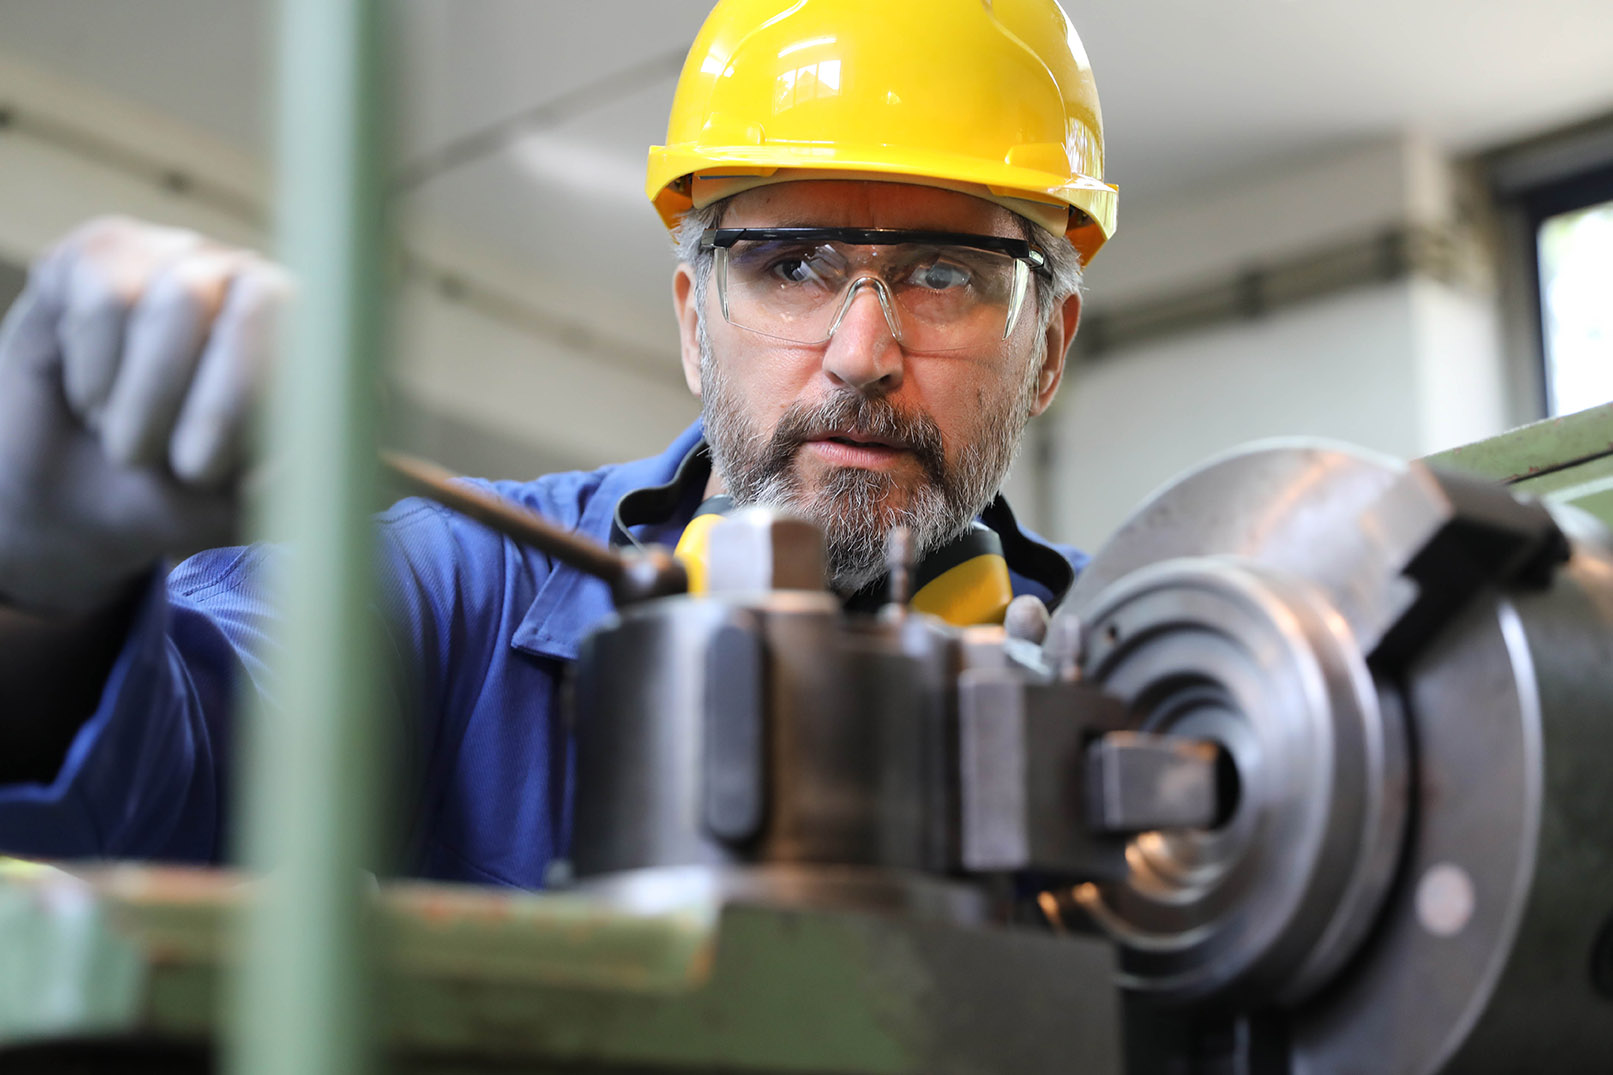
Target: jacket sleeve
(149,774)
(143,777)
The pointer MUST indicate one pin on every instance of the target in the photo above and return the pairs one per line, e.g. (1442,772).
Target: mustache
(874,417)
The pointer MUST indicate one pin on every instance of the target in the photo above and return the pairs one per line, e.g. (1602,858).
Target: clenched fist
(129,370)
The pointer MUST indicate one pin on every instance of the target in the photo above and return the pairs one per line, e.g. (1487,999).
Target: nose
(863,352)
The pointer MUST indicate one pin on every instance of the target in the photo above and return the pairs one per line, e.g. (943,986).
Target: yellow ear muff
(975,591)
(692,548)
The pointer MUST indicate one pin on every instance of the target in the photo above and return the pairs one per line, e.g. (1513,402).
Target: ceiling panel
(568,201)
(1195,89)
(476,63)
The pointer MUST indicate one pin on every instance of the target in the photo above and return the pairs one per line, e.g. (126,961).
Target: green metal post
(312,779)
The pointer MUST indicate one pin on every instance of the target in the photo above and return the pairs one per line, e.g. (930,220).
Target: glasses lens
(945,297)
(785,289)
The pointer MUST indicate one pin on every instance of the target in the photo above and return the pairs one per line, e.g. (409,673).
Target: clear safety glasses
(940,291)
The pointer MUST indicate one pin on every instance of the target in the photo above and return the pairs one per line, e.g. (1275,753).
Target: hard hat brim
(671,168)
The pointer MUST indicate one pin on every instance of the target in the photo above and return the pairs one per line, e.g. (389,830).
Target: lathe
(1308,774)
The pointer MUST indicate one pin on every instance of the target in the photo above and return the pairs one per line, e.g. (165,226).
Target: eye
(788,264)
(941,275)
(771,263)
(796,270)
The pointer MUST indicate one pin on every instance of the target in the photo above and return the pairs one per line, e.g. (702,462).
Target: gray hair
(1063,263)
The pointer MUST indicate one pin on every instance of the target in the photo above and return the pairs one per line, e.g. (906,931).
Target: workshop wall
(472,384)
(1407,364)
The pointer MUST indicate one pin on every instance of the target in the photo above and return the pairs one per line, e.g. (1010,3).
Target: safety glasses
(939,291)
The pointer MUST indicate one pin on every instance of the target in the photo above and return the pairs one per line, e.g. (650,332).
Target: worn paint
(1540,448)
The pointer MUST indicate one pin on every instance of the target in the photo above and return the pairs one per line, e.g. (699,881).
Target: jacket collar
(569,603)
(657,514)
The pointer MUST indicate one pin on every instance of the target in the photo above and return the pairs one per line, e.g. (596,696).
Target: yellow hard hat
(995,95)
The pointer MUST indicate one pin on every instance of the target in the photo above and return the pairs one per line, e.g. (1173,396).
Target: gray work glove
(129,370)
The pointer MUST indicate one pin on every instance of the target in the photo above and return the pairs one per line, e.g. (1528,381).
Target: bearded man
(881,213)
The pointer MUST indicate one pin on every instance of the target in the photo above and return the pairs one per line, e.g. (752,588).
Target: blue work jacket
(482,629)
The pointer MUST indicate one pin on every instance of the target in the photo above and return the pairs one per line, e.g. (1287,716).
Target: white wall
(1462,382)
(45,190)
(573,409)
(1187,236)
(1407,367)
(1137,418)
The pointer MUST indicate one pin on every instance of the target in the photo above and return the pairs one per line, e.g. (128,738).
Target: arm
(116,696)
(128,370)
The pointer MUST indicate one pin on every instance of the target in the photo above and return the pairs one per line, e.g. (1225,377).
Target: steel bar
(312,786)
(437,483)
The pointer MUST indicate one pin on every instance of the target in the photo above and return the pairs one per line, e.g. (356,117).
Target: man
(880,211)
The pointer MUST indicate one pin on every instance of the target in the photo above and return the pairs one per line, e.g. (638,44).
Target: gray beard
(855,507)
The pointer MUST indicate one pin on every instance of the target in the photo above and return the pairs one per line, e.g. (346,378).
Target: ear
(688,322)
(1060,333)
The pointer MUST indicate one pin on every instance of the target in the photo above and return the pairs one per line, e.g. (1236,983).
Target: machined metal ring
(1266,907)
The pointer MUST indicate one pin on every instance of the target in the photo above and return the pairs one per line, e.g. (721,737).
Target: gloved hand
(129,370)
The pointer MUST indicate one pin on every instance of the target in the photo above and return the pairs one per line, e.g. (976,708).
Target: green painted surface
(1565,460)
(130,948)
(479,979)
(1587,486)
(500,938)
(313,792)
(781,993)
(63,968)
(1537,448)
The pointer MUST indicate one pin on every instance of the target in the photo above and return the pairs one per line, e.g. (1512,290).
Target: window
(1554,195)
(1575,255)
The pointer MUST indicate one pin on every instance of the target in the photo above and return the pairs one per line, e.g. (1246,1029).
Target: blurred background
(1385,223)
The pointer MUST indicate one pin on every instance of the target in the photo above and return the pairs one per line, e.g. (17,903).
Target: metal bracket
(1023,770)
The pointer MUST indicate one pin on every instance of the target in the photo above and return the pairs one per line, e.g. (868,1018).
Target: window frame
(1531,182)
(1566,196)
